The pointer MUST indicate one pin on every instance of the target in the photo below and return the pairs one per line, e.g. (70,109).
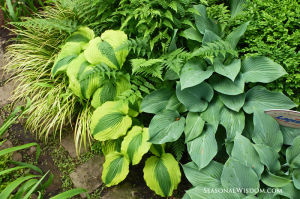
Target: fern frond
(102,71)
(139,46)
(178,148)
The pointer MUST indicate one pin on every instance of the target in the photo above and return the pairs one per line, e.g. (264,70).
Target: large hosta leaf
(194,126)
(234,37)
(266,130)
(231,70)
(237,7)
(192,34)
(208,176)
(234,102)
(135,144)
(115,169)
(194,72)
(158,149)
(234,122)
(166,126)
(296,178)
(110,146)
(162,174)
(244,151)
(210,192)
(212,113)
(69,52)
(157,101)
(293,153)
(209,37)
(83,35)
(268,156)
(289,191)
(108,123)
(226,86)
(175,104)
(261,69)
(259,97)
(203,148)
(195,98)
(289,134)
(273,180)
(203,23)
(237,175)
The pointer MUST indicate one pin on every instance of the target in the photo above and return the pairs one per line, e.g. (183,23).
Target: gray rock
(1,121)
(31,150)
(17,157)
(125,191)
(7,144)
(5,135)
(69,144)
(6,93)
(88,175)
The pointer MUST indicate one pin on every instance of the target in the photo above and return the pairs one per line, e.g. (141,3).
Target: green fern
(139,46)
(178,148)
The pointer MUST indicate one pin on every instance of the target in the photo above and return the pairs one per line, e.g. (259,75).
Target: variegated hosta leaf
(234,122)
(266,130)
(135,144)
(110,146)
(195,98)
(244,151)
(88,85)
(208,176)
(203,148)
(102,50)
(69,52)
(115,168)
(293,153)
(83,35)
(158,149)
(194,126)
(166,126)
(237,175)
(259,97)
(110,90)
(74,71)
(162,174)
(108,123)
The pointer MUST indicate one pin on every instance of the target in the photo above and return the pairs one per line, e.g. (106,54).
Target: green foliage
(274,32)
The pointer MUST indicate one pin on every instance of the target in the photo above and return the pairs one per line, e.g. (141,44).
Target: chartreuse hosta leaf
(69,52)
(208,176)
(108,123)
(234,37)
(194,72)
(227,86)
(194,126)
(289,134)
(195,98)
(110,90)
(203,148)
(74,71)
(158,149)
(259,97)
(111,146)
(135,144)
(212,113)
(231,70)
(266,130)
(273,180)
(162,174)
(289,191)
(157,101)
(102,49)
(268,156)
(237,175)
(261,69)
(244,151)
(293,153)
(115,168)
(234,122)
(166,126)
(233,102)
(83,35)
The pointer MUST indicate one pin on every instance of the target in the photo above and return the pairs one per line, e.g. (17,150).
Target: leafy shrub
(274,32)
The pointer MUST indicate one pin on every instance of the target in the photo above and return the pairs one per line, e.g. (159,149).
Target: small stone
(69,144)
(17,157)
(125,191)
(6,93)
(7,144)
(88,175)
(5,135)
(31,150)
(1,121)
(33,196)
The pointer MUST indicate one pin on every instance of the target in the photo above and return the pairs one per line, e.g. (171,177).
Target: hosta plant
(231,141)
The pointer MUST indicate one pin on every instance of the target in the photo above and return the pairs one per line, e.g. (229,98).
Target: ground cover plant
(195,98)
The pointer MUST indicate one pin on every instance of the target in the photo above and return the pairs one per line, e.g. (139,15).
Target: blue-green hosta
(96,75)
(225,121)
